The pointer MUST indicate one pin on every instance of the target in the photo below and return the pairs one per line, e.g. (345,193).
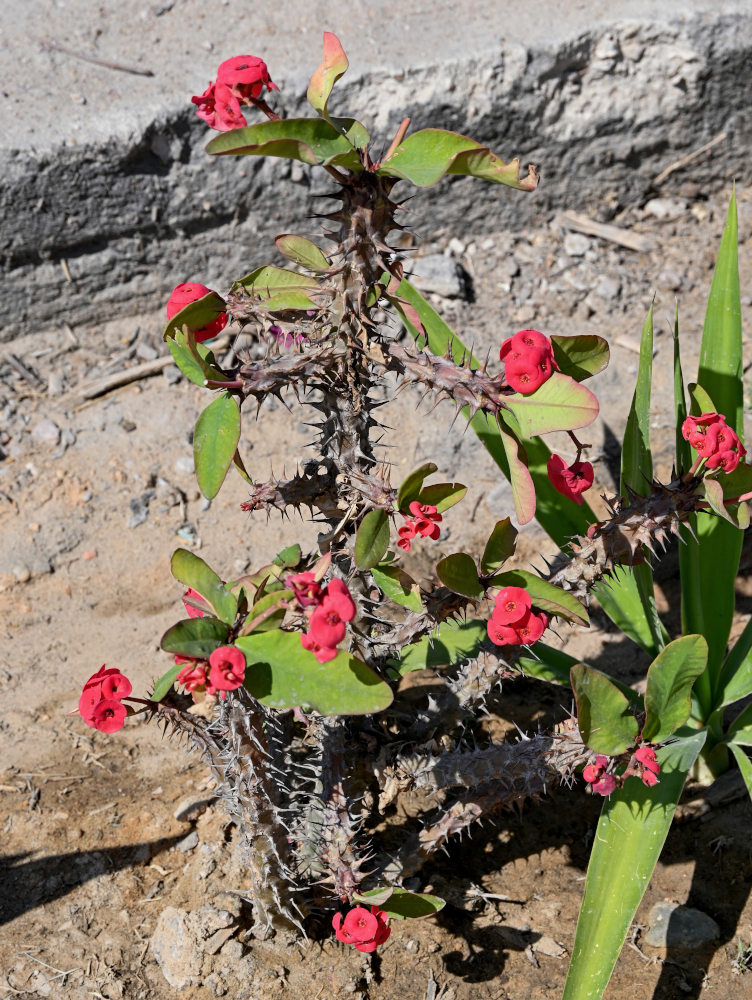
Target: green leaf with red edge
(560,404)
(545,596)
(604,716)
(398,586)
(518,474)
(195,637)
(442,496)
(713,491)
(215,442)
(668,695)
(196,315)
(411,486)
(459,573)
(430,154)
(282,674)
(499,547)
(736,483)
(372,539)
(302,251)
(581,356)
(191,570)
(334,65)
(401,904)
(311,140)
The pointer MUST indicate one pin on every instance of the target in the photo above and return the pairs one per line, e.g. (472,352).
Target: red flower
(322,653)
(698,425)
(191,610)
(406,533)
(361,928)
(308,591)
(502,635)
(426,528)
(104,688)
(713,439)
(245,77)
(570,480)
(646,756)
(511,604)
(424,510)
(191,291)
(523,632)
(108,716)
(528,360)
(227,668)
(725,460)
(192,677)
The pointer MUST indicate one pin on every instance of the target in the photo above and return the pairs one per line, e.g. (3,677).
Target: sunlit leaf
(310,140)
(215,440)
(191,570)
(668,696)
(372,539)
(604,716)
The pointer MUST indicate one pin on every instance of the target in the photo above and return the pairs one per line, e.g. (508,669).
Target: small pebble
(576,245)
(188,843)
(46,432)
(172,374)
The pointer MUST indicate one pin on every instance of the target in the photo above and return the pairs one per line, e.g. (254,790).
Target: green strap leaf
(310,140)
(560,404)
(668,696)
(215,440)
(628,841)
(582,356)
(282,674)
(372,539)
(745,766)
(735,680)
(428,155)
(191,570)
(683,450)
(459,574)
(302,251)
(604,716)
(499,547)
(740,730)
(636,457)
(331,69)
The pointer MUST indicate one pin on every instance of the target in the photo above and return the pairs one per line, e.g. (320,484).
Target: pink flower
(406,533)
(322,653)
(698,425)
(191,291)
(528,360)
(100,702)
(190,609)
(595,775)
(649,779)
(108,716)
(426,528)
(605,785)
(511,605)
(570,480)
(192,677)
(245,77)
(727,461)
(713,439)
(646,756)
(227,668)
(308,591)
(361,928)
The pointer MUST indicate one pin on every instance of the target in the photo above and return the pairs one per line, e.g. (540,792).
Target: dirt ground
(94,496)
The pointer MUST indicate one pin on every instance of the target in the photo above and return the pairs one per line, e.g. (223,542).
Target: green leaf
(736,483)
(604,716)
(582,356)
(518,474)
(277,289)
(267,612)
(499,547)
(281,674)
(374,897)
(195,637)
(411,486)
(310,140)
(402,904)
(668,696)
(683,450)
(442,496)
(624,600)
(452,642)
(636,457)
(165,682)
(545,595)
(735,681)
(428,155)
(708,582)
(628,841)
(194,360)
(560,404)
(745,766)
(331,69)
(215,440)
(700,401)
(398,586)
(740,730)
(713,491)
(302,251)
(289,557)
(191,570)
(459,574)
(554,665)
(196,315)
(372,539)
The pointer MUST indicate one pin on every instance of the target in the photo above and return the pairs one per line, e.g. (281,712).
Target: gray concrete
(108,199)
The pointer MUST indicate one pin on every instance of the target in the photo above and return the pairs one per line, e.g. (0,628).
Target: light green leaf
(277,289)
(302,251)
(668,696)
(700,400)
(628,841)
(310,140)
(215,440)
(636,457)
(740,730)
(428,155)
(401,904)
(735,681)
(281,674)
(194,360)
(165,682)
(745,766)
(560,404)
(582,356)
(604,716)
(624,598)
(411,486)
(499,547)
(196,315)
(190,570)
(683,450)
(545,595)
(442,496)
(331,69)
(372,539)
(398,586)
(288,557)
(452,642)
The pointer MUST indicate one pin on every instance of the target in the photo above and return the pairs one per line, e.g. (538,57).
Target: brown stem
(261,104)
(404,126)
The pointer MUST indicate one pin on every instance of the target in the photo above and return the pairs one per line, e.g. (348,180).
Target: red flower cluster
(182,296)
(570,480)
(714,440)
(363,929)
(650,769)
(224,671)
(513,622)
(101,702)
(528,360)
(240,80)
(332,607)
(643,765)
(597,777)
(424,522)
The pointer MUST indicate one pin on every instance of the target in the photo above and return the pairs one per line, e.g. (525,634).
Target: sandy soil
(94,496)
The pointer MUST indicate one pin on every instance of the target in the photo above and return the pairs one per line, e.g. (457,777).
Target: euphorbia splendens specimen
(528,360)
(513,622)
(714,440)
(363,929)
(191,291)
(239,80)
(570,480)
(100,704)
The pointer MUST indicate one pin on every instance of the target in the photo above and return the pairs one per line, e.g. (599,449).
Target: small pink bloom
(424,510)
(727,461)
(191,291)
(108,716)
(605,785)
(511,605)
(322,653)
(308,591)
(227,668)
(363,929)
(245,77)
(570,480)
(406,533)
(190,609)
